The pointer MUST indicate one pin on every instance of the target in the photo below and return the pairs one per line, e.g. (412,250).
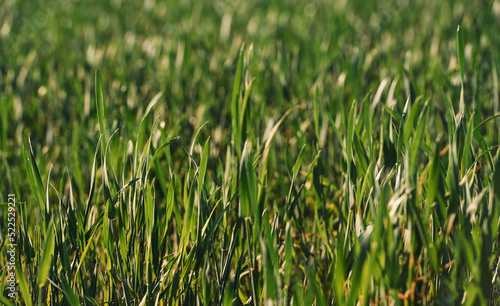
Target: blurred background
(187,49)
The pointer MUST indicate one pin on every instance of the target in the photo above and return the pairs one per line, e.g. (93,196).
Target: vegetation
(251,152)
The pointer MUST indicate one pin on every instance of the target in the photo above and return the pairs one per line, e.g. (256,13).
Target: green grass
(251,152)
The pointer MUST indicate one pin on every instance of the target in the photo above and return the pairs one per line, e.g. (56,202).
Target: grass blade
(100,110)
(47,253)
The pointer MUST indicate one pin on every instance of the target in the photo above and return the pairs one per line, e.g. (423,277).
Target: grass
(251,152)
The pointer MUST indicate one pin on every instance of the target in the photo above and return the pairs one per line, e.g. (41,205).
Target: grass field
(250,152)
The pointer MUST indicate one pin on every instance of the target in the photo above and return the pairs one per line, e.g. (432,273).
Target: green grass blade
(394,115)
(248,186)
(486,121)
(496,179)
(152,104)
(298,163)
(316,113)
(235,102)
(408,128)
(23,286)
(244,111)
(288,253)
(203,163)
(461,54)
(465,162)
(47,253)
(350,136)
(100,109)
(417,140)
(69,293)
(6,301)
(163,147)
(267,145)
(34,178)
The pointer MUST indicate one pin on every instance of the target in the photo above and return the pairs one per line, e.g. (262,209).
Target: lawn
(249,152)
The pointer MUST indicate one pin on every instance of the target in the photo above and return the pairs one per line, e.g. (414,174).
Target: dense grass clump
(251,152)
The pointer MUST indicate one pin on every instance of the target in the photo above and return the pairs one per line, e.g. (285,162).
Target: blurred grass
(392,198)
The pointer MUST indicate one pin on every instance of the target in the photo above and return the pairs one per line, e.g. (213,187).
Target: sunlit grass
(251,153)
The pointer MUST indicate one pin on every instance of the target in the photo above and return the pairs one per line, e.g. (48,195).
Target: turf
(251,152)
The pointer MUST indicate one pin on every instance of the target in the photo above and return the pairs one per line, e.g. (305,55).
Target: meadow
(250,152)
